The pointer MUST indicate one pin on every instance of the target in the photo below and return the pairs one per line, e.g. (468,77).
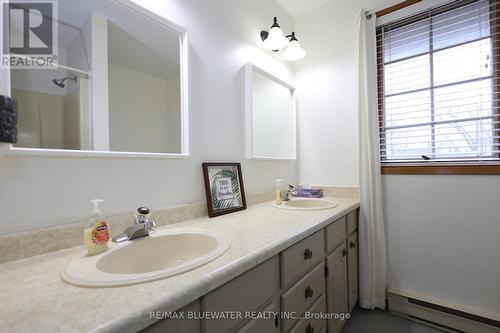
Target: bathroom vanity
(278,261)
(318,275)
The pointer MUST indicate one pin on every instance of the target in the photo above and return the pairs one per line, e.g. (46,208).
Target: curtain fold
(372,246)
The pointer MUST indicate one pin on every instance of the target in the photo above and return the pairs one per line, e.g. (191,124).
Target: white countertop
(35,299)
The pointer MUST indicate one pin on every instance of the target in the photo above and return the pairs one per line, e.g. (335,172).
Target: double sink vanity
(308,287)
(262,269)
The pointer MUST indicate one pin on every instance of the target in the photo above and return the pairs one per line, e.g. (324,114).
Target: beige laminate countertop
(35,299)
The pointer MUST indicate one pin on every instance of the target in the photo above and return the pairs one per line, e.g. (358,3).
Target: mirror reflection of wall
(117,86)
(271,114)
(144,96)
(271,117)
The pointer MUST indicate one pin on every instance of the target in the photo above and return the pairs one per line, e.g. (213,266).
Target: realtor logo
(30,34)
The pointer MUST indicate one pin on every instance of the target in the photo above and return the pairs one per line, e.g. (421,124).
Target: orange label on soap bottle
(100,233)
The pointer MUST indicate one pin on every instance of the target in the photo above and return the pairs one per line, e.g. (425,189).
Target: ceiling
(127,51)
(298,8)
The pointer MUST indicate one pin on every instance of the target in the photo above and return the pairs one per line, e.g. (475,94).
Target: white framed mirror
(120,86)
(270,117)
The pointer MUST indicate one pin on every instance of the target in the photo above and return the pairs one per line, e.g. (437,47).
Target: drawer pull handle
(344,252)
(309,328)
(352,245)
(308,254)
(308,292)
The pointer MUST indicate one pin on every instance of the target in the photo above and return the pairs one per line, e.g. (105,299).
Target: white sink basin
(163,254)
(307,204)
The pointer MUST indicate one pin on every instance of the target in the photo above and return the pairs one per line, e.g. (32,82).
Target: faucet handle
(141,215)
(143,210)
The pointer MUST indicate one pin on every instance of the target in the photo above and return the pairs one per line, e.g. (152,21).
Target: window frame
(469,167)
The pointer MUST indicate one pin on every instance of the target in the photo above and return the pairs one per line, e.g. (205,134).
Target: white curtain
(372,257)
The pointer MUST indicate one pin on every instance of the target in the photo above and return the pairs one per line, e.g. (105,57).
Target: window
(438,80)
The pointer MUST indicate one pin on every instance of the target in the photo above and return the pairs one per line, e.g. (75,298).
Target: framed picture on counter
(223,188)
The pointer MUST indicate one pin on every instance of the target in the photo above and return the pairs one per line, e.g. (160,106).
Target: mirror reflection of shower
(54,103)
(60,82)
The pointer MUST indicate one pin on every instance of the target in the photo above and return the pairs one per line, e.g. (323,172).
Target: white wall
(4,73)
(174,133)
(224,35)
(443,237)
(326,90)
(442,231)
(76,55)
(41,124)
(84,108)
(99,87)
(72,118)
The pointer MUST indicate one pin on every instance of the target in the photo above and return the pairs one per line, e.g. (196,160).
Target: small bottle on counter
(96,234)
(278,197)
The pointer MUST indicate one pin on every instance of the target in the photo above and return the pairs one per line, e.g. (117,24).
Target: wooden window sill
(441,170)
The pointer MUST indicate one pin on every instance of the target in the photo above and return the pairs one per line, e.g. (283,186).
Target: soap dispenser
(278,197)
(96,234)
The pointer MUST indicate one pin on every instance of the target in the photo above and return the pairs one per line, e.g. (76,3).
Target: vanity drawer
(313,324)
(247,292)
(303,294)
(352,222)
(335,234)
(300,257)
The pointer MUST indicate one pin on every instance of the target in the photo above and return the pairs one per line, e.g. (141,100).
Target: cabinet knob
(307,254)
(309,292)
(352,245)
(309,328)
(344,252)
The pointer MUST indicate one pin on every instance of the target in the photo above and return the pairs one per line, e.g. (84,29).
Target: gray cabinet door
(264,325)
(335,234)
(247,292)
(352,221)
(178,325)
(352,264)
(336,286)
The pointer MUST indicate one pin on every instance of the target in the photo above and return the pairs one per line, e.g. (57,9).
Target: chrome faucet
(289,193)
(143,226)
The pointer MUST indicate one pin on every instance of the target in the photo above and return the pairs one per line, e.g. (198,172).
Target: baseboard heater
(440,315)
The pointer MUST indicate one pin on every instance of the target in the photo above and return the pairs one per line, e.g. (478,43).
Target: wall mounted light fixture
(275,40)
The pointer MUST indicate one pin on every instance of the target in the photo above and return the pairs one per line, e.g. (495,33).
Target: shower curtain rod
(83,73)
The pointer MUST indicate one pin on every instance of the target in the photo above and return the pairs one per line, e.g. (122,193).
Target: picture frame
(224,188)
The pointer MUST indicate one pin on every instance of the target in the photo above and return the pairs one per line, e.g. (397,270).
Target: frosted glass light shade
(294,51)
(275,40)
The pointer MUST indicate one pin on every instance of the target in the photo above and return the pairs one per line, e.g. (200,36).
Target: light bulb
(275,39)
(294,51)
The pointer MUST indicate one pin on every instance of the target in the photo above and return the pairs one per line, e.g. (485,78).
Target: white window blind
(438,85)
